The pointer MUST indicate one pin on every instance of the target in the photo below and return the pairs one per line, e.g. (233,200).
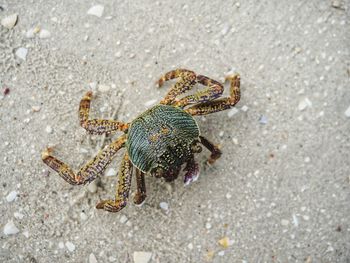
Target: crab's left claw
(192,173)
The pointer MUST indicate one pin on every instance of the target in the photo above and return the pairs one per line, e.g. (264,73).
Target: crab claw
(192,173)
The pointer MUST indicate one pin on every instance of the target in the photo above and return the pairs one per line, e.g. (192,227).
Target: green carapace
(161,137)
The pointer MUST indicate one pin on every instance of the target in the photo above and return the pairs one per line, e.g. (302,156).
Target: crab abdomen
(161,136)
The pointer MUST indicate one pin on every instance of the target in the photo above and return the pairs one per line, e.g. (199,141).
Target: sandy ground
(280,192)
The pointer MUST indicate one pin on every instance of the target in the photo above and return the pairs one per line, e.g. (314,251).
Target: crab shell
(161,138)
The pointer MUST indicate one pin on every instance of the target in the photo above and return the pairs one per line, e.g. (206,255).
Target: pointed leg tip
(88,95)
(46,153)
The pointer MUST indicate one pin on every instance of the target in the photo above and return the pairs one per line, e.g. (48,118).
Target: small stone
(295,221)
(306,218)
(228,196)
(150,102)
(9,21)
(263,119)
(26,234)
(207,225)
(83,216)
(18,215)
(336,4)
(36,108)
(307,159)
(235,141)
(48,129)
(10,229)
(44,34)
(111,172)
(347,112)
(142,257)
(103,88)
(30,33)
(11,196)
(225,242)
(284,222)
(22,53)
(92,187)
(70,246)
(232,112)
(244,108)
(305,103)
(190,246)
(61,245)
(221,133)
(221,253)
(164,206)
(123,219)
(96,10)
(92,258)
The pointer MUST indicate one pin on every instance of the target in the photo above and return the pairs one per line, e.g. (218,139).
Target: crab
(158,142)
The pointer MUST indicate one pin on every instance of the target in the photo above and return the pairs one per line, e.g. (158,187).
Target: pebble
(305,103)
(70,246)
(306,218)
(190,246)
(48,129)
(44,34)
(31,32)
(26,234)
(235,140)
(11,196)
(228,196)
(111,172)
(103,88)
(83,216)
(263,119)
(142,256)
(207,225)
(221,253)
(18,215)
(96,10)
(347,112)
(123,219)
(164,206)
(36,108)
(9,21)
(284,222)
(225,242)
(295,221)
(92,258)
(61,245)
(10,229)
(232,112)
(92,187)
(22,53)
(244,108)
(221,133)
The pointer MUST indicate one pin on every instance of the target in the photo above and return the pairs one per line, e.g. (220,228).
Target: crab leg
(141,188)
(215,151)
(186,82)
(97,126)
(214,90)
(89,171)
(220,104)
(123,188)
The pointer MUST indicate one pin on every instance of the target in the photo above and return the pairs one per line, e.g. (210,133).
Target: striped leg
(186,82)
(123,188)
(215,151)
(220,104)
(88,172)
(96,126)
(214,90)
(141,188)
